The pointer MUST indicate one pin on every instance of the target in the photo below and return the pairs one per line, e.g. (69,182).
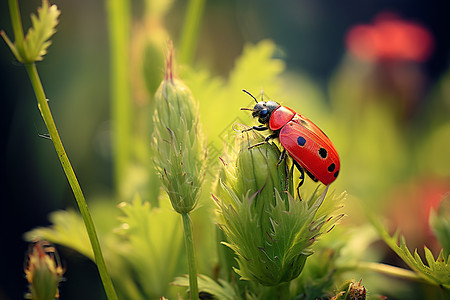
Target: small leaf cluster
(34,46)
(436,272)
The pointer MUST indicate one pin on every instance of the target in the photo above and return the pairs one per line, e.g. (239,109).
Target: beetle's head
(262,110)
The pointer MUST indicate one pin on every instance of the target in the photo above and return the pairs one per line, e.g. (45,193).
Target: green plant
(180,154)
(28,50)
(254,239)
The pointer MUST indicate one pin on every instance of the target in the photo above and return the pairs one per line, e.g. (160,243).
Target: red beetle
(309,147)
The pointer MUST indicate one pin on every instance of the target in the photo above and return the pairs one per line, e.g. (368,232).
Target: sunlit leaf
(68,230)
(151,244)
(221,290)
(43,27)
(437,272)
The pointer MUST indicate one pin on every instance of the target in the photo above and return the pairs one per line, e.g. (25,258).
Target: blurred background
(372,74)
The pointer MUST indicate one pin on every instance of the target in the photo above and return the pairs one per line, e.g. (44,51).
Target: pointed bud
(178,141)
(43,271)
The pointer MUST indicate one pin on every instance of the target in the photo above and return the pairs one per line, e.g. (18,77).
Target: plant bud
(178,142)
(256,171)
(43,272)
(269,231)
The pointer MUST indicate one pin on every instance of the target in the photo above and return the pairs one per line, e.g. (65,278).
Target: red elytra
(306,143)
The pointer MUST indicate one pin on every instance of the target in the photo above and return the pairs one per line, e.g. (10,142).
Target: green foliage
(221,98)
(67,230)
(221,290)
(37,40)
(151,243)
(436,272)
(143,252)
(440,223)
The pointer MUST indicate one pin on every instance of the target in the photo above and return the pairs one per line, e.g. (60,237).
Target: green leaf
(68,230)
(221,290)
(437,272)
(440,223)
(151,244)
(43,27)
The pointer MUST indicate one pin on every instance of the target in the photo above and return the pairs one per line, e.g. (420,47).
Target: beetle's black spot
(323,153)
(336,174)
(301,141)
(331,167)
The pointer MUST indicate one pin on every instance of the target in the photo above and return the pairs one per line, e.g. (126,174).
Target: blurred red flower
(409,210)
(390,38)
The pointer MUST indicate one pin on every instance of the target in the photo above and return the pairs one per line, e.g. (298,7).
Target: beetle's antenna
(250,95)
(262,94)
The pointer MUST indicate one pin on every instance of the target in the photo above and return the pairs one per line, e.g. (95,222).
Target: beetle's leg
(282,157)
(257,128)
(266,140)
(271,137)
(302,177)
(260,128)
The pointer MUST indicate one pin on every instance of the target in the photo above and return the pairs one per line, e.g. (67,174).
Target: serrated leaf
(152,243)
(68,230)
(43,27)
(429,257)
(437,272)
(221,290)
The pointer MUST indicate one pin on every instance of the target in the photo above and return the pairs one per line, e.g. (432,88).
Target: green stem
(283,291)
(49,122)
(190,30)
(189,241)
(17,26)
(119,28)
(391,271)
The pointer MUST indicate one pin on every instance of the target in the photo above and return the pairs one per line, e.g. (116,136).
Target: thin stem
(16,22)
(68,170)
(119,28)
(391,271)
(283,291)
(188,239)
(190,30)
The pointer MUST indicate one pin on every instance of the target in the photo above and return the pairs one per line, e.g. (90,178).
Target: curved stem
(391,271)
(70,174)
(16,22)
(189,240)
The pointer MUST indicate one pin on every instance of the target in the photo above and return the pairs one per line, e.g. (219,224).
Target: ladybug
(310,148)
